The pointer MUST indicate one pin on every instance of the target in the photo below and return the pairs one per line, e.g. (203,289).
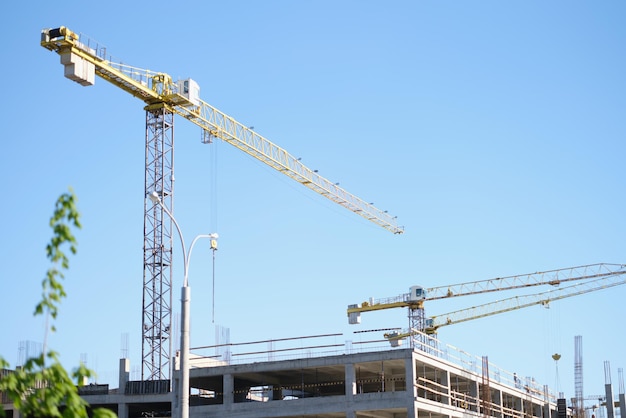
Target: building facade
(372,382)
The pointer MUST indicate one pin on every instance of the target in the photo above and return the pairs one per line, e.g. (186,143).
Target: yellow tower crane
(83,59)
(587,278)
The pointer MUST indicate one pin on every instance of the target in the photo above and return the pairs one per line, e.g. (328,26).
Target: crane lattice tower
(83,59)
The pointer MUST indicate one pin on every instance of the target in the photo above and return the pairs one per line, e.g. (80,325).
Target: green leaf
(37,389)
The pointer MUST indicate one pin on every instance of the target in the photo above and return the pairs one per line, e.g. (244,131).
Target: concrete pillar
(411,389)
(229,389)
(409,370)
(124,371)
(122,410)
(276,393)
(176,376)
(350,378)
(350,389)
(124,377)
(610,409)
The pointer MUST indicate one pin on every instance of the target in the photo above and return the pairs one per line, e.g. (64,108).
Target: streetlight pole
(185,299)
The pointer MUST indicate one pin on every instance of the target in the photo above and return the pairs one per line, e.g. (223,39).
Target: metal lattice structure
(485,389)
(417,323)
(579,406)
(156,344)
(84,59)
(588,278)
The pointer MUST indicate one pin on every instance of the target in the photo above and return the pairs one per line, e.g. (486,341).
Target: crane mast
(83,59)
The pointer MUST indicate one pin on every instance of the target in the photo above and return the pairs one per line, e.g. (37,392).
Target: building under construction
(320,380)
(328,379)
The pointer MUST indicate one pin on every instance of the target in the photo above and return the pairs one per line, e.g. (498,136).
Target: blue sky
(493,130)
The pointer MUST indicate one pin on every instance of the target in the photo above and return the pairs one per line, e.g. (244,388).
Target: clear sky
(494,130)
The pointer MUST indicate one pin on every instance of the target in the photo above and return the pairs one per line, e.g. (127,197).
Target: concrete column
(124,371)
(124,377)
(610,409)
(176,375)
(409,370)
(350,389)
(229,389)
(411,389)
(276,393)
(122,410)
(350,378)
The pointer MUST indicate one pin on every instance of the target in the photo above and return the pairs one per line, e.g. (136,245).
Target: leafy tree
(42,387)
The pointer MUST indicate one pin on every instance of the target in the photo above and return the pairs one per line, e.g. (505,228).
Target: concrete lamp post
(185,300)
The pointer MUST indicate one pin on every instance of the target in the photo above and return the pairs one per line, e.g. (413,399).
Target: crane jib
(581,280)
(84,58)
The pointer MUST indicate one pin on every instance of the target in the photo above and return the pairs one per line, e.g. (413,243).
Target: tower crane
(587,278)
(83,59)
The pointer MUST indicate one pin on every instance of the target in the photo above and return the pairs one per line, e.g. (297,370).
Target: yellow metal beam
(158,89)
(523,301)
(366,307)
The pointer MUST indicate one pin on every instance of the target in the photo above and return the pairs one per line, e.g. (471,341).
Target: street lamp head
(154,196)
(214,235)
